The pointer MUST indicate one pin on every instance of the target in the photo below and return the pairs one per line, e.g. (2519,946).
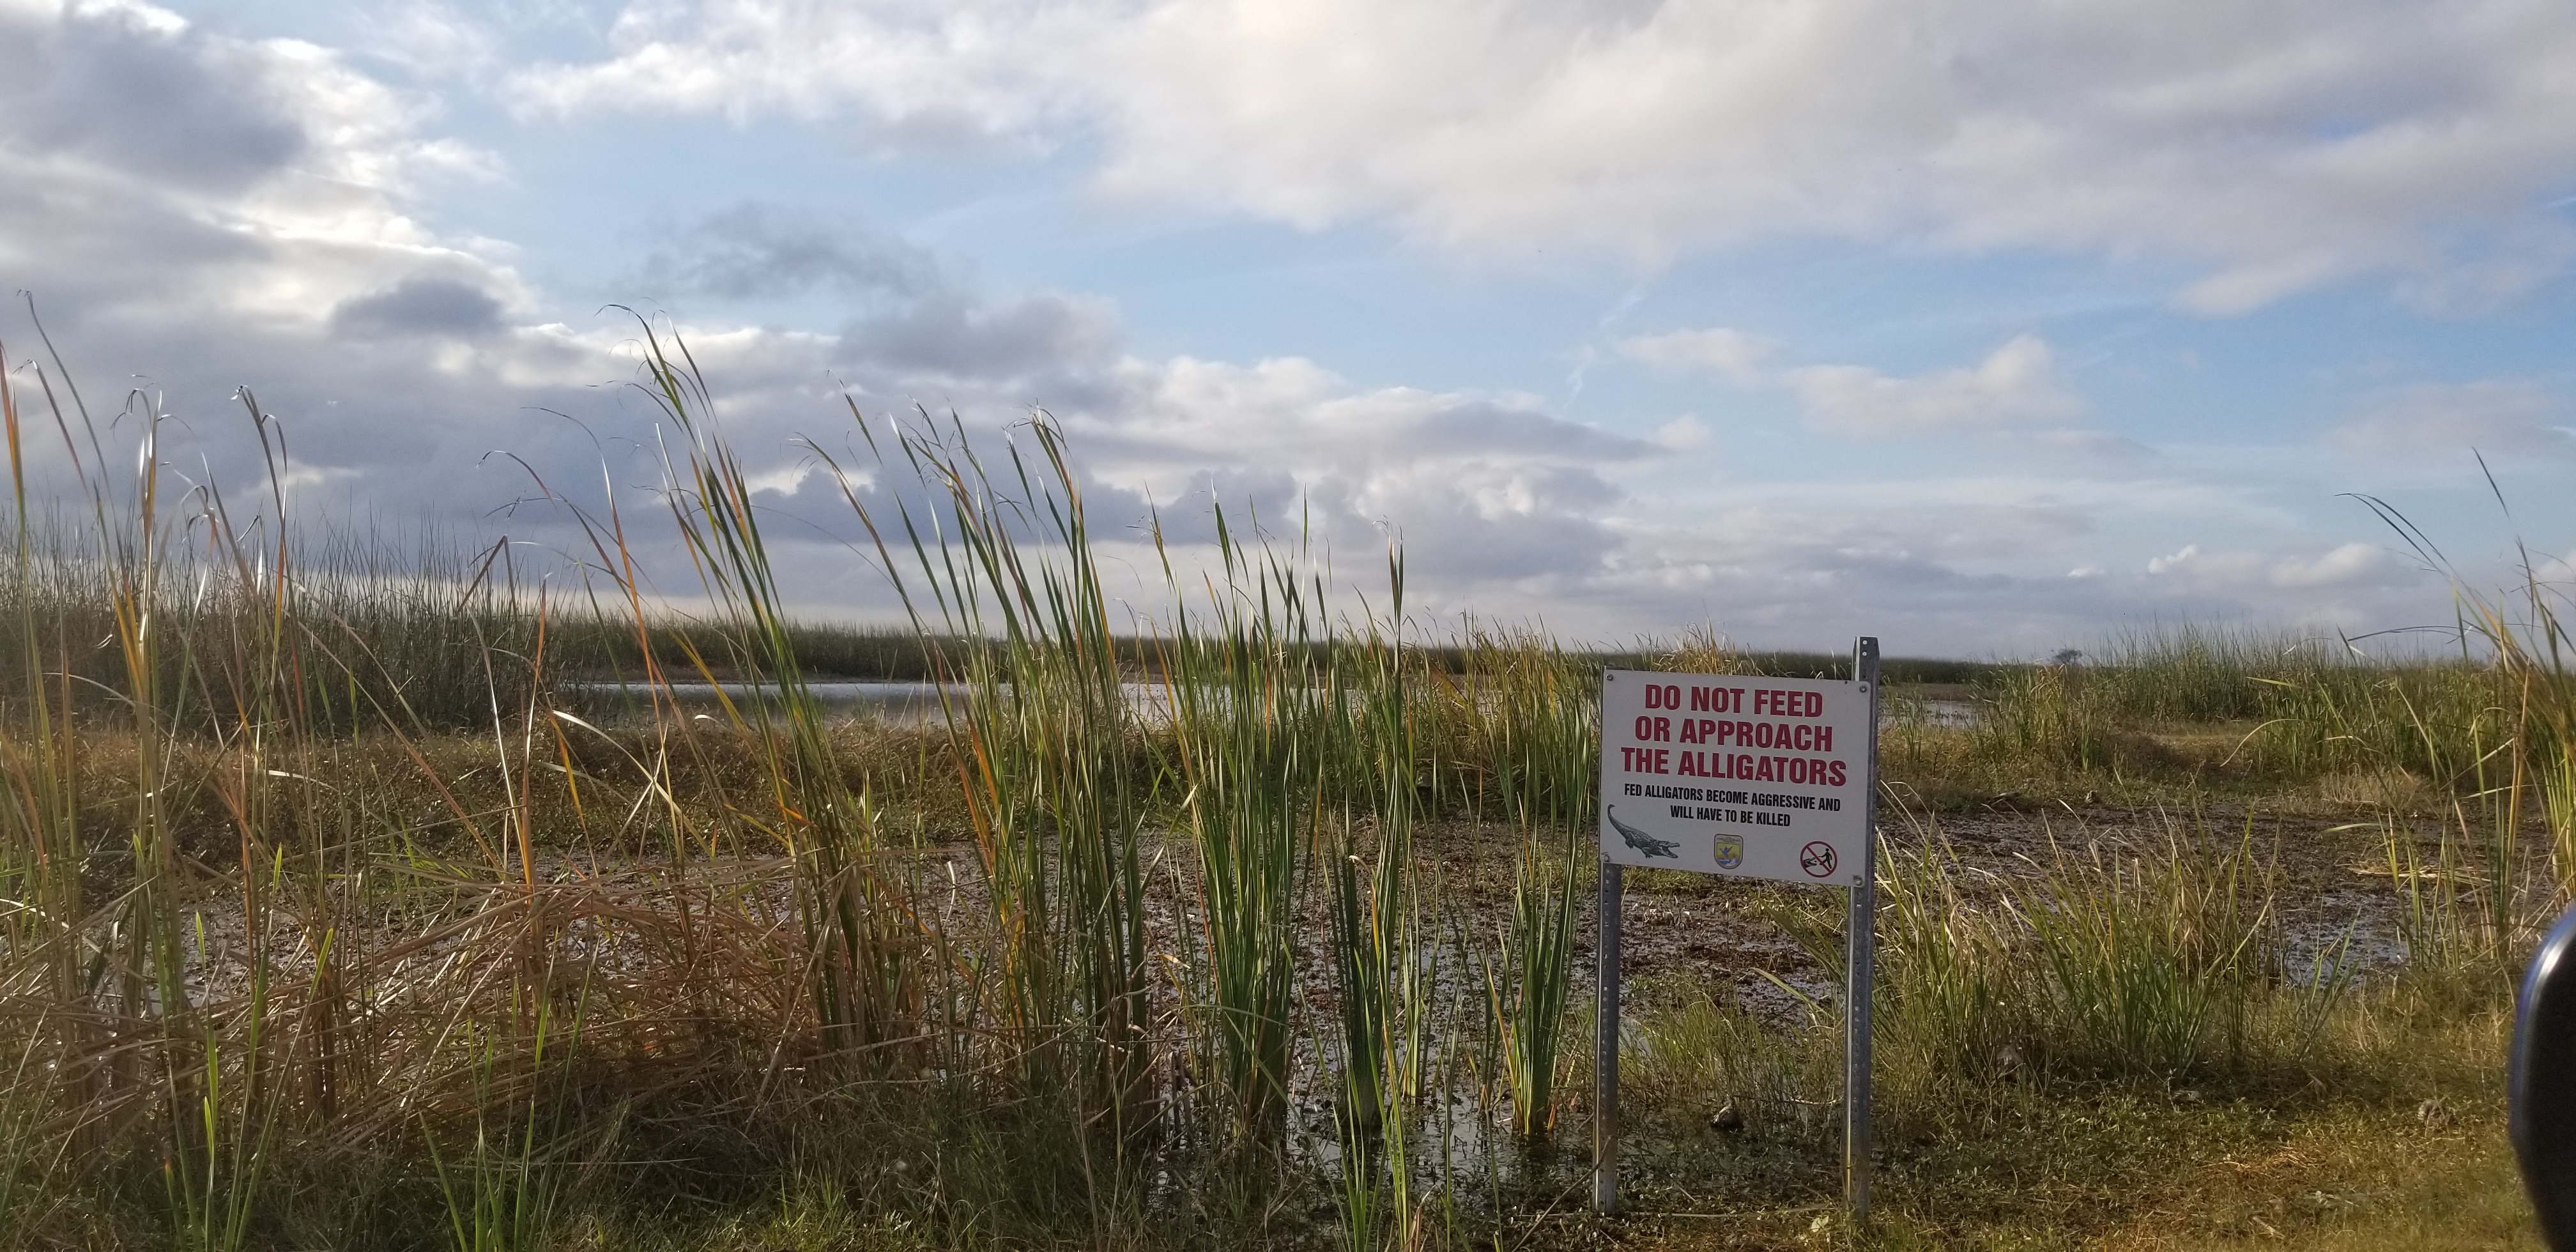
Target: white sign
(1731,774)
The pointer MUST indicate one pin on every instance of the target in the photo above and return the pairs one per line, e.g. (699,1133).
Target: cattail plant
(1252,711)
(853,913)
(1044,729)
(1382,948)
(1534,714)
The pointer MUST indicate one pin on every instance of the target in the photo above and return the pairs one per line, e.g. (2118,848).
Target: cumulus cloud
(2173,560)
(432,38)
(910,72)
(911,316)
(286,257)
(2274,149)
(2016,385)
(2345,567)
(126,88)
(283,251)
(954,335)
(2349,565)
(165,175)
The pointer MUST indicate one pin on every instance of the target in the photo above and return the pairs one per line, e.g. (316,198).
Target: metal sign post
(1750,777)
(1861,934)
(1605,1047)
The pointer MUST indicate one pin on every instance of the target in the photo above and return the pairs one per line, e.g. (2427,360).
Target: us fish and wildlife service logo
(1817,859)
(1730,851)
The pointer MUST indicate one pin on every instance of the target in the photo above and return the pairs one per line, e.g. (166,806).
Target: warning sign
(1729,774)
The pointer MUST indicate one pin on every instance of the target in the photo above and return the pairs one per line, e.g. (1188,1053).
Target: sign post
(1605,1044)
(1753,778)
(1861,957)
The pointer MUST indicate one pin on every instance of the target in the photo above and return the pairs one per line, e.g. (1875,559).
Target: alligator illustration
(1642,841)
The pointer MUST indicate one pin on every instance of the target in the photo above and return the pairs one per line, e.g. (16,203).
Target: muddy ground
(1685,936)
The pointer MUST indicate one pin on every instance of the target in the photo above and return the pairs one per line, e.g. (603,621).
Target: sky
(1989,329)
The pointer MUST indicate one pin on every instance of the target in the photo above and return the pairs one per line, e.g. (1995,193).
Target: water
(876,702)
(917,703)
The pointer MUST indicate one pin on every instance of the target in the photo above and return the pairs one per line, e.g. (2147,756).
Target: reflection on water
(887,703)
(917,703)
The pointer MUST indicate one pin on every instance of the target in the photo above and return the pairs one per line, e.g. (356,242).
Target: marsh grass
(334,919)
(506,1189)
(1530,983)
(2084,1023)
(1252,721)
(2205,706)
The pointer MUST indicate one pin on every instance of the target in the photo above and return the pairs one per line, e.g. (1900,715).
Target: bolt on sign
(1729,774)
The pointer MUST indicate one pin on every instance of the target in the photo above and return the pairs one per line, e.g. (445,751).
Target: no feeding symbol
(1748,777)
(1817,859)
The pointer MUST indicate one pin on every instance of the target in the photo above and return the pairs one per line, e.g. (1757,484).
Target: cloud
(431,38)
(2175,560)
(2352,564)
(124,87)
(1928,574)
(2346,566)
(1733,353)
(2016,385)
(910,73)
(910,315)
(954,335)
(754,250)
(2493,416)
(2268,151)
(1484,490)
(153,174)
(398,357)
(420,305)
(2079,441)
(1682,433)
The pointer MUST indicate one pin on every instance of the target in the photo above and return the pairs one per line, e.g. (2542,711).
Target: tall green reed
(2049,715)
(235,976)
(1528,989)
(1043,727)
(854,914)
(219,1136)
(1253,717)
(43,851)
(1384,954)
(119,982)
(1535,722)
(1285,741)
(2517,751)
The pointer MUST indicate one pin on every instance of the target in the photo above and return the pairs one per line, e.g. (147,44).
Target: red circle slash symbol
(1817,859)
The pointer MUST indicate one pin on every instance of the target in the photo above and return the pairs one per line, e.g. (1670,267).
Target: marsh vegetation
(339,907)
